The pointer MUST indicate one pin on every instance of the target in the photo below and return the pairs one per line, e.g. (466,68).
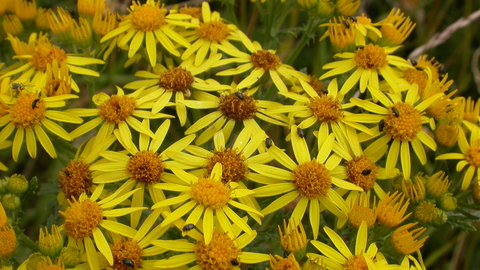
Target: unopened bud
(10,202)
(17,184)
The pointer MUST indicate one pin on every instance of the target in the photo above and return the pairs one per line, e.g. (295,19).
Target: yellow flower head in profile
(470,156)
(26,10)
(395,28)
(279,263)
(88,8)
(40,52)
(8,241)
(151,23)
(405,242)
(341,36)
(12,25)
(391,210)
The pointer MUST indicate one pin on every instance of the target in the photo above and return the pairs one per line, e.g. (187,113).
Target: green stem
(28,242)
(65,145)
(310,29)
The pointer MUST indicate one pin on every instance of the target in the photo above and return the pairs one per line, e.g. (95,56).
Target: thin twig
(440,38)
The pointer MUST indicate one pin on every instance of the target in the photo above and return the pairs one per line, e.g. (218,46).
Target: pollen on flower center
(265,60)
(126,249)
(117,108)
(213,31)
(312,179)
(416,76)
(176,79)
(218,254)
(356,262)
(146,167)
(326,108)
(234,168)
(362,172)
(359,213)
(403,122)
(81,218)
(75,178)
(45,53)
(473,156)
(371,57)
(28,111)
(147,17)
(236,108)
(210,193)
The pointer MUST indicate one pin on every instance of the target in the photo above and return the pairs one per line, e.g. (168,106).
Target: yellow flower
(391,210)
(206,196)
(232,107)
(84,218)
(117,111)
(8,241)
(470,156)
(368,61)
(176,82)
(26,10)
(363,258)
(88,8)
(401,121)
(341,36)
(405,242)
(76,177)
(209,32)
(279,263)
(40,53)
(328,109)
(29,115)
(261,61)
(143,167)
(309,179)
(150,22)
(235,161)
(396,28)
(12,25)
(293,240)
(223,251)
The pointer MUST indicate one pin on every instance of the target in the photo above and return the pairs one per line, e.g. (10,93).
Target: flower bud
(17,184)
(70,256)
(447,202)
(3,186)
(34,260)
(440,219)
(50,244)
(10,202)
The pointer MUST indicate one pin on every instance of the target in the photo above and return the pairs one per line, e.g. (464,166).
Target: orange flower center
(265,60)
(473,156)
(75,179)
(218,254)
(356,262)
(127,255)
(371,57)
(81,218)
(45,53)
(213,31)
(176,79)
(360,213)
(238,106)
(210,193)
(362,172)
(234,168)
(146,167)
(403,122)
(8,241)
(326,108)
(312,179)
(147,17)
(117,108)
(29,110)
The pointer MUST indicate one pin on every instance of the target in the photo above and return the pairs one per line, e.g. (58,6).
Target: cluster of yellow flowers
(141,190)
